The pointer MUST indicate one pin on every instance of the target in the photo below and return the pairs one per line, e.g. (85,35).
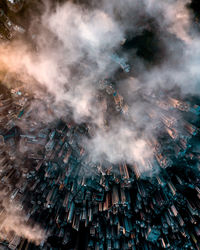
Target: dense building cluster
(47,175)
(62,190)
(8,29)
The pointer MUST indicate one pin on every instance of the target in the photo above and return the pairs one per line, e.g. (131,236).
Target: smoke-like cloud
(14,221)
(69,50)
(74,48)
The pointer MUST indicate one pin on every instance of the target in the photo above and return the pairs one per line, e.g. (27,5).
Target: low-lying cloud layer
(73,52)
